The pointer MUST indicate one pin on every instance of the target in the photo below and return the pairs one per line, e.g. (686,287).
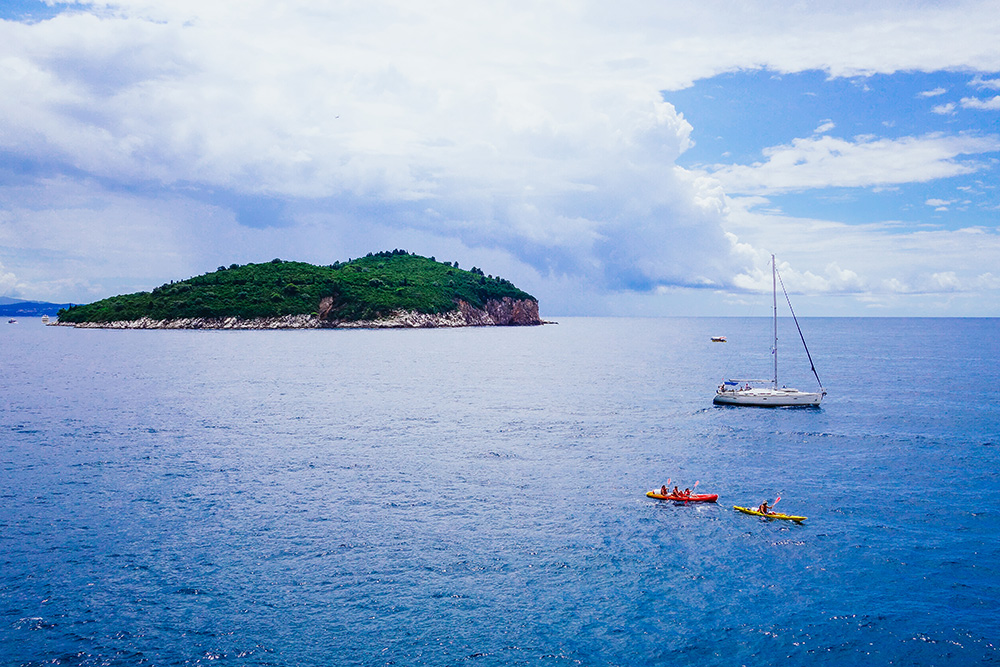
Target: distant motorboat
(744,392)
(12,321)
(718,339)
(45,319)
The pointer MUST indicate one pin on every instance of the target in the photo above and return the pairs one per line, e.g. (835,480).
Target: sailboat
(751,392)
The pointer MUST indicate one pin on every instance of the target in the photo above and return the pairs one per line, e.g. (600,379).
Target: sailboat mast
(774,297)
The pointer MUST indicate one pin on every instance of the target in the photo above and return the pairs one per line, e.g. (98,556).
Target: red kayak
(693,498)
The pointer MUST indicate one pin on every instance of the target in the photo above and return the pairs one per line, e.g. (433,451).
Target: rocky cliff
(498,312)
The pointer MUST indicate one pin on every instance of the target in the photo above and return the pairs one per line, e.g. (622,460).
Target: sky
(628,158)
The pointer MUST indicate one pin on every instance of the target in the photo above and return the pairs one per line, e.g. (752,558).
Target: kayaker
(675,492)
(663,490)
(687,493)
(763,508)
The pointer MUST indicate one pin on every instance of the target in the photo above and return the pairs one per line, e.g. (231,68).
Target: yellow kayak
(769,515)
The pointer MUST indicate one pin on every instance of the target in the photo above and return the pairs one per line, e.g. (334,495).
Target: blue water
(476,496)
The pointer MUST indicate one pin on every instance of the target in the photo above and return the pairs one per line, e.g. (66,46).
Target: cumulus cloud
(980,82)
(945,281)
(991,104)
(872,260)
(819,162)
(932,93)
(830,279)
(8,282)
(569,167)
(987,281)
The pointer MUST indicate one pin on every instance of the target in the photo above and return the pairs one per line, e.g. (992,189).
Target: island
(391,289)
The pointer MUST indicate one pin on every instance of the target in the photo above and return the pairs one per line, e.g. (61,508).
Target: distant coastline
(19,308)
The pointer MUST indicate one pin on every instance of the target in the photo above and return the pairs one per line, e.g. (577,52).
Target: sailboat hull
(769,398)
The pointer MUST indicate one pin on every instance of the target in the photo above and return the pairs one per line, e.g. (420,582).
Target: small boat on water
(718,339)
(770,515)
(12,321)
(45,319)
(751,392)
(693,498)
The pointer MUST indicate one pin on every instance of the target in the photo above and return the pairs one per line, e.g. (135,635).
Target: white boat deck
(768,397)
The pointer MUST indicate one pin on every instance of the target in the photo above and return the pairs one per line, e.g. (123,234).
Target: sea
(476,497)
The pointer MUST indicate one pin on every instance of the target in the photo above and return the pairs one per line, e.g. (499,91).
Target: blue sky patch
(739,116)
(29,10)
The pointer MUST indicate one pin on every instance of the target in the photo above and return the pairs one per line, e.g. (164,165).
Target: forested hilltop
(369,289)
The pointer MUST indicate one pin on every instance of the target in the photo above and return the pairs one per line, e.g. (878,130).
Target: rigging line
(812,366)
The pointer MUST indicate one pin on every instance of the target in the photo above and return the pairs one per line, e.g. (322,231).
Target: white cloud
(874,261)
(932,93)
(944,109)
(992,104)
(562,164)
(820,162)
(945,281)
(980,82)
(295,100)
(8,282)
(940,205)
(987,281)
(824,127)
